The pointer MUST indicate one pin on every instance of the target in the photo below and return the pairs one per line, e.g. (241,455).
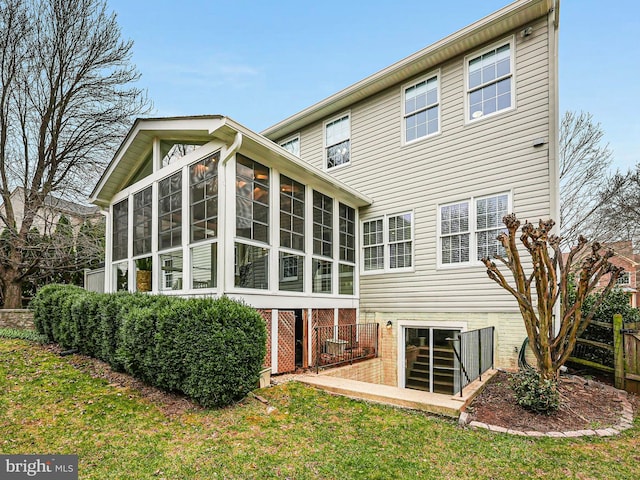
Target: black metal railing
(342,344)
(473,353)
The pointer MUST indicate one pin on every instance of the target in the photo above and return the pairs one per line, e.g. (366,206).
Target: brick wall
(369,371)
(21,319)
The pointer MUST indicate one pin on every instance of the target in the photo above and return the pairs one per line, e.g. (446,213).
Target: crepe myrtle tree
(538,291)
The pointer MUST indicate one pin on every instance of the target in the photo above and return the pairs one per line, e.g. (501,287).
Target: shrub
(20,334)
(211,350)
(535,393)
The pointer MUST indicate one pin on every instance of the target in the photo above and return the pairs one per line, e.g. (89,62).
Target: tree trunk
(12,293)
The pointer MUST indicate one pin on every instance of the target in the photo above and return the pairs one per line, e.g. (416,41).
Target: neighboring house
(630,261)
(375,204)
(47,217)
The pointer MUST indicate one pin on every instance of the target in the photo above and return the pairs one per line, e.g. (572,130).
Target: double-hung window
(421,109)
(468,229)
(337,141)
(387,243)
(490,82)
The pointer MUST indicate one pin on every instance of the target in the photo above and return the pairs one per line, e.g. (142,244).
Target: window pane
(321,276)
(291,213)
(251,266)
(120,237)
(322,224)
(374,258)
(171,271)
(292,146)
(203,191)
(345,275)
(204,265)
(144,274)
(347,233)
(252,200)
(121,276)
(338,154)
(291,272)
(172,151)
(170,211)
(142,211)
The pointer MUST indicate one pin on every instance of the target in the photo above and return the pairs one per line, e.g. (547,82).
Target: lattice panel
(346,316)
(320,318)
(266,315)
(286,341)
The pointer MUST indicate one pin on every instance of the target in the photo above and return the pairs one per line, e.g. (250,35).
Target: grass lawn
(48,406)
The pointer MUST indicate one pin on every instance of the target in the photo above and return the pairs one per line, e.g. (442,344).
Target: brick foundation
(16,318)
(369,371)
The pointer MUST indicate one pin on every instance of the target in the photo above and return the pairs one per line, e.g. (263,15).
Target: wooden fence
(620,357)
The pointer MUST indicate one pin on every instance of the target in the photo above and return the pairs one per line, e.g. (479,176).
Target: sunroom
(204,206)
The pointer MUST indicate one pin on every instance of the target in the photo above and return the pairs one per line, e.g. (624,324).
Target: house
(624,257)
(47,217)
(373,206)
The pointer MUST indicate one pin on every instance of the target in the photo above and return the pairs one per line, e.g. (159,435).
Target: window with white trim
(468,229)
(490,82)
(387,243)
(623,279)
(337,141)
(421,109)
(292,145)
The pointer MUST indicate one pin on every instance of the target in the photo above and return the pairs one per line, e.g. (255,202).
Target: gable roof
(139,141)
(499,23)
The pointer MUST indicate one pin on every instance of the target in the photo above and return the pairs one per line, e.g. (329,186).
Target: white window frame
(624,279)
(434,74)
(346,114)
(386,244)
(291,139)
(512,54)
(473,228)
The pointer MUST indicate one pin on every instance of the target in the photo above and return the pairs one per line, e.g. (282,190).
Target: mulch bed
(584,405)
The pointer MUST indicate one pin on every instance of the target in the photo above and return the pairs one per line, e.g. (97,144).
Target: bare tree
(66,99)
(538,292)
(620,211)
(584,172)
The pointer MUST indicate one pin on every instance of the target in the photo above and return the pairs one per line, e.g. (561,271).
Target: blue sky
(259,62)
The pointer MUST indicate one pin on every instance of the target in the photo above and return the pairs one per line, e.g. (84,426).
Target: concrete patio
(446,405)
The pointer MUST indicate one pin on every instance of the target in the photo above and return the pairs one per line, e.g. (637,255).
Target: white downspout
(225,243)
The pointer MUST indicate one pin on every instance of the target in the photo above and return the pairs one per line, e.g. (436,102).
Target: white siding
(492,155)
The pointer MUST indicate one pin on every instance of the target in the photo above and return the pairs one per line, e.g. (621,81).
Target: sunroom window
(322,225)
(120,235)
(203,197)
(291,214)
(171,151)
(252,200)
(142,220)
(170,211)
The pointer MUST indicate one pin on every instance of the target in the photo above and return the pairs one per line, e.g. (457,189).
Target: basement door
(429,360)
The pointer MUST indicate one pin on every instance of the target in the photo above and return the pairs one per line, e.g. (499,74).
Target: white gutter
(235,146)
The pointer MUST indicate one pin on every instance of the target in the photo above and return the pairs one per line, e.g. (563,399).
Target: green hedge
(210,349)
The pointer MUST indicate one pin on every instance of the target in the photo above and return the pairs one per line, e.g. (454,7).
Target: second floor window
(338,141)
(322,225)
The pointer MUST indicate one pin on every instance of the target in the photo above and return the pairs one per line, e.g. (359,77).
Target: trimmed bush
(535,393)
(211,350)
